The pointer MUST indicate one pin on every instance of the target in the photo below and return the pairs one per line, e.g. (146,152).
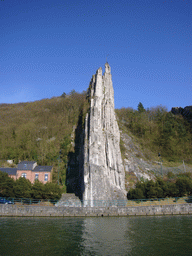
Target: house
(12,172)
(31,171)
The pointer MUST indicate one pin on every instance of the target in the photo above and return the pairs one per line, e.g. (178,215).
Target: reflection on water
(165,235)
(106,236)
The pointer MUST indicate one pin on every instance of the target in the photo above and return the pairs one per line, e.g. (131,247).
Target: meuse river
(163,235)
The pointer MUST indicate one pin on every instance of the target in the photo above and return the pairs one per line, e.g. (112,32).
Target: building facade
(31,171)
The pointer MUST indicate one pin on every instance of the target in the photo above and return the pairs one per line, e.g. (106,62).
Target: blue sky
(53,46)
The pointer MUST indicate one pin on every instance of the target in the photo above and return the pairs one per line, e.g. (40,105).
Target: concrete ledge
(52,211)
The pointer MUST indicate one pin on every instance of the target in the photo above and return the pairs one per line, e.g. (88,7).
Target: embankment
(49,211)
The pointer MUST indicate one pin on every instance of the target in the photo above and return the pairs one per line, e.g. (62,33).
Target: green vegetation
(140,108)
(22,188)
(44,130)
(41,131)
(158,131)
(169,186)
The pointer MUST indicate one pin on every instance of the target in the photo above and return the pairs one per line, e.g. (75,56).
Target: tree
(172,190)
(151,189)
(72,92)
(6,185)
(140,108)
(52,191)
(183,185)
(22,188)
(38,190)
(63,95)
(164,190)
(136,193)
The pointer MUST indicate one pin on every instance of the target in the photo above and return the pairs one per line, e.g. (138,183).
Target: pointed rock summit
(103,172)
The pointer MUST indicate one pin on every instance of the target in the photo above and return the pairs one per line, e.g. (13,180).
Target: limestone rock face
(68,200)
(103,171)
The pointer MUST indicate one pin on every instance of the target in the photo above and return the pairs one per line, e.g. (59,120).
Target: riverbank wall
(52,211)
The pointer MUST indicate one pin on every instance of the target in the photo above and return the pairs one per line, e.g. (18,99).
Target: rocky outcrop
(138,167)
(68,200)
(102,170)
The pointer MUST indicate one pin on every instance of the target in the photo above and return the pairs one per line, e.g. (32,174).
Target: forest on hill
(44,131)
(40,131)
(159,132)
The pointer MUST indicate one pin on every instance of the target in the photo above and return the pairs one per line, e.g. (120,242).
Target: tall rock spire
(103,171)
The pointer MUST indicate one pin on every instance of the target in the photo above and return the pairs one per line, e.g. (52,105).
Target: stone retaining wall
(47,211)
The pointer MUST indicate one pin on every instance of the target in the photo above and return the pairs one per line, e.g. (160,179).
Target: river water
(158,235)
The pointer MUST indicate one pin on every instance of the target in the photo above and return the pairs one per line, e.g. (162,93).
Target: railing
(159,201)
(138,202)
(98,203)
(28,201)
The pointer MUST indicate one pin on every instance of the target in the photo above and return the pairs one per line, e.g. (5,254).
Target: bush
(184,186)
(52,191)
(136,193)
(38,190)
(177,187)
(22,188)
(164,190)
(141,185)
(172,190)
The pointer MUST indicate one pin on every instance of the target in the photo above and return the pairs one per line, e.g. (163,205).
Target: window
(24,175)
(36,176)
(46,177)
(25,166)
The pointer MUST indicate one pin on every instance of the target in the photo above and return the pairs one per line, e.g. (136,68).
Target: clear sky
(48,47)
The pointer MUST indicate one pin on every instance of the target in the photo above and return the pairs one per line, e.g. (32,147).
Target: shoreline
(53,211)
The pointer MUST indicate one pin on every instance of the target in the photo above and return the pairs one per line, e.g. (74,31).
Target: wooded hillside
(41,131)
(159,132)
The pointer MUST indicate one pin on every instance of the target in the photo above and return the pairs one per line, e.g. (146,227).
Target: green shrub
(22,188)
(136,193)
(184,186)
(52,191)
(38,190)
(178,187)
